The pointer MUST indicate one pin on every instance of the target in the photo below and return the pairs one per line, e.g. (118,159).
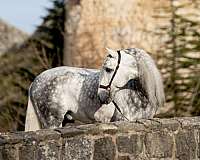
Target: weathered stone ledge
(176,138)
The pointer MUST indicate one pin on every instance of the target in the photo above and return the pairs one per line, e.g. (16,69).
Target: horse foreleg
(32,122)
(105,113)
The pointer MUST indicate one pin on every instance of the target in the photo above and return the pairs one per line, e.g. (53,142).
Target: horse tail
(32,122)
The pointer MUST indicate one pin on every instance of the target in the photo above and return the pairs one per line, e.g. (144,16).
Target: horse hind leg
(32,122)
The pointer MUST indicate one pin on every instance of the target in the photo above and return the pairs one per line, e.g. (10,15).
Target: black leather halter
(113,76)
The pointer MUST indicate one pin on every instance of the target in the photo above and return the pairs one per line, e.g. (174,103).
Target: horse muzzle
(104,96)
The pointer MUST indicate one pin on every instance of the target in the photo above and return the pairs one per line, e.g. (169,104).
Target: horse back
(49,87)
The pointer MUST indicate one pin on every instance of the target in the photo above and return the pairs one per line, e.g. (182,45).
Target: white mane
(149,77)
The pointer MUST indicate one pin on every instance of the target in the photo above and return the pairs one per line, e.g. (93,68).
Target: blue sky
(24,14)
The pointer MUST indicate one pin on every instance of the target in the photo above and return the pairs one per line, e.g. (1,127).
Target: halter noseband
(113,76)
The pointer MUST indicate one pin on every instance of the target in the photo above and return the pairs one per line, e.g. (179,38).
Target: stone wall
(176,138)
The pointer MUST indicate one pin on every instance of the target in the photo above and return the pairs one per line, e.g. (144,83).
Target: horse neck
(130,103)
(90,86)
(88,101)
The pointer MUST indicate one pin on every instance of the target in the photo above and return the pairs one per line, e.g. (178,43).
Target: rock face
(93,25)
(176,138)
(10,37)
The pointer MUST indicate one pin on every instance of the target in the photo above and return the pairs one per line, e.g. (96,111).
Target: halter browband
(113,76)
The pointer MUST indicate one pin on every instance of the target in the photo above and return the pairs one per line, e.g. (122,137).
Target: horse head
(130,69)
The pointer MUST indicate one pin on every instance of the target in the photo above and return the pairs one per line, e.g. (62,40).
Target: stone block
(78,148)
(185,145)
(8,152)
(130,144)
(28,151)
(47,134)
(12,138)
(159,145)
(104,149)
(70,132)
(50,150)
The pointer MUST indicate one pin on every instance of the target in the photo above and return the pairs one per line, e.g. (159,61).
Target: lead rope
(119,110)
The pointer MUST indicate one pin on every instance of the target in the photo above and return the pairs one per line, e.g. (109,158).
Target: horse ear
(151,80)
(110,50)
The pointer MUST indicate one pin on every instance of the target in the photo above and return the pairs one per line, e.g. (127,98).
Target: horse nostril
(104,97)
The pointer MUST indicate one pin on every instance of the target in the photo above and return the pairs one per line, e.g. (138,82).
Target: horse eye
(108,70)
(110,56)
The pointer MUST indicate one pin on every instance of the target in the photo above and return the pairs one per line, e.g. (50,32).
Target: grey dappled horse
(128,87)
